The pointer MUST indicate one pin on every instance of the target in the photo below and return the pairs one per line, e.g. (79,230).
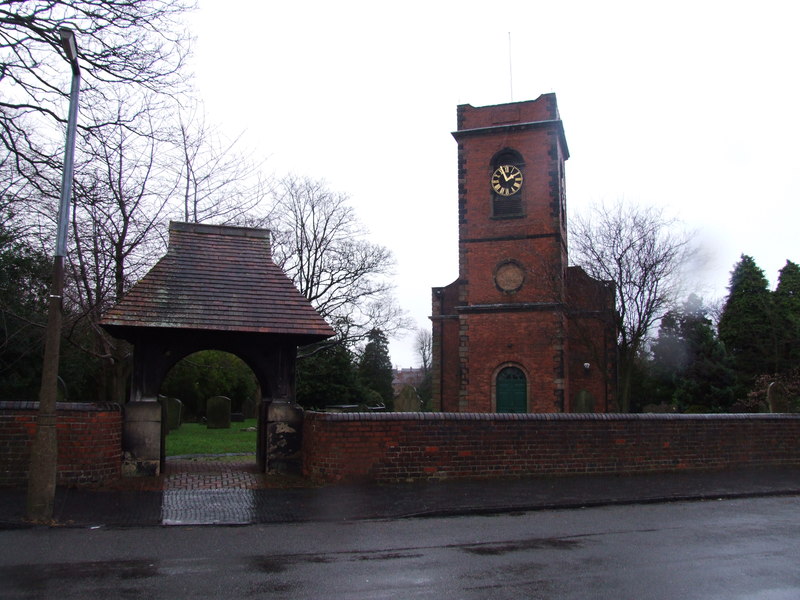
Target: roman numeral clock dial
(506,180)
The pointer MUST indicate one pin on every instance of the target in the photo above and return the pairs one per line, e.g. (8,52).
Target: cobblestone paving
(212,475)
(203,491)
(208,507)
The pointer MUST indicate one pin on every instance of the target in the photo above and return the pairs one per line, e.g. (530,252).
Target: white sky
(692,106)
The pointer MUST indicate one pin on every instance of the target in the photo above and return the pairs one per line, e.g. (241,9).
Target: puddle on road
(42,578)
(496,549)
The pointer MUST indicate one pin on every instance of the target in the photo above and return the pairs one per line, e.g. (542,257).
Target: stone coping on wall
(467,416)
(62,406)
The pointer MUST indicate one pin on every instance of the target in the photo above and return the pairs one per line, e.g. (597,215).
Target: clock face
(506,180)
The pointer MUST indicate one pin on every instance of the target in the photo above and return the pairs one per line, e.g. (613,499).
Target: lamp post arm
(69,154)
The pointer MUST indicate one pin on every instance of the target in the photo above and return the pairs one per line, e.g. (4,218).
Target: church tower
(502,331)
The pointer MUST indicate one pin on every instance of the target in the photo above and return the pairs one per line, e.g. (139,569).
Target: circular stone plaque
(509,277)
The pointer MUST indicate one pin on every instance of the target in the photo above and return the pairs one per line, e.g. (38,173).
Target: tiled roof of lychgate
(217,278)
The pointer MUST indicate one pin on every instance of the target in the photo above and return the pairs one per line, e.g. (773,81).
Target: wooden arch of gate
(215,288)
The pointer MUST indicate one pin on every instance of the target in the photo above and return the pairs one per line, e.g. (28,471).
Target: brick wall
(89,442)
(398,447)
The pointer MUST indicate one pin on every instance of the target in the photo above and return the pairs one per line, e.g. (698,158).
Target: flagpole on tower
(510,71)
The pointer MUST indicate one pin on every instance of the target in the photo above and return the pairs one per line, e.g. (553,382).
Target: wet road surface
(731,549)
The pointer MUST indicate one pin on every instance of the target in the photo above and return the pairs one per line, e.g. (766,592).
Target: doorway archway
(226,430)
(208,373)
(511,390)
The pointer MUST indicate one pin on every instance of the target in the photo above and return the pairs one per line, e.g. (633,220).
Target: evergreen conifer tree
(707,381)
(746,326)
(690,362)
(24,278)
(787,308)
(658,375)
(375,366)
(327,377)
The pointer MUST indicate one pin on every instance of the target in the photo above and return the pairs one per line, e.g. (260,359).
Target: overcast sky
(690,106)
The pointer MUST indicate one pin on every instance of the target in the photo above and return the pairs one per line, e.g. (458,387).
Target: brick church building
(519,330)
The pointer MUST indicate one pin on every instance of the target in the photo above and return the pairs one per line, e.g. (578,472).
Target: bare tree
(121,44)
(218,182)
(643,253)
(127,187)
(121,200)
(319,243)
(120,207)
(423,344)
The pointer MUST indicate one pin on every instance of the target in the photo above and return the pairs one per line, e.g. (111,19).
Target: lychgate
(215,288)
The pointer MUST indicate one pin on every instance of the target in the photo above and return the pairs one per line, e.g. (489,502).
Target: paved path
(208,490)
(212,475)
(207,473)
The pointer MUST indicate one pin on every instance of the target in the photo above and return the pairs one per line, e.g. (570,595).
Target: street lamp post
(44,451)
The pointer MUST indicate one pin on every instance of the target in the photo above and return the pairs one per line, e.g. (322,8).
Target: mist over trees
(689,368)
(694,365)
(672,354)
(423,344)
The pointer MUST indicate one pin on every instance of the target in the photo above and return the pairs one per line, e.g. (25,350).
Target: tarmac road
(731,549)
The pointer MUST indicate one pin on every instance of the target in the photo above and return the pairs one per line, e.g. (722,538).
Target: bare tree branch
(125,45)
(319,243)
(219,182)
(644,254)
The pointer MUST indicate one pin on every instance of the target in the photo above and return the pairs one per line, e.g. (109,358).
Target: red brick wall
(591,339)
(397,447)
(526,339)
(89,442)
(445,364)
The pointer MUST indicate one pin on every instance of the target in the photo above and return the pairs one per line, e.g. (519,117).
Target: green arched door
(512,391)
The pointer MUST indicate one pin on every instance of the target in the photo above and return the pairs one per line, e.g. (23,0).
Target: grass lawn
(196,438)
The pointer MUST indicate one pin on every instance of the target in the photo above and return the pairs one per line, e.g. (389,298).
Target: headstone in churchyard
(584,403)
(407,400)
(174,413)
(218,412)
(250,405)
(776,398)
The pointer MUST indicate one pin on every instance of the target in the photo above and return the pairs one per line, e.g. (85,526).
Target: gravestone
(250,405)
(776,398)
(408,400)
(218,412)
(174,413)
